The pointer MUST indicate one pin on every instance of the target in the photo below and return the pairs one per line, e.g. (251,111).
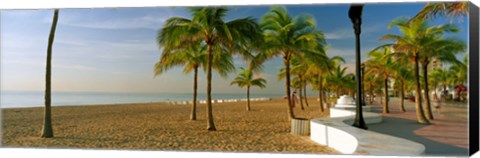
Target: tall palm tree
(449,9)
(411,41)
(433,77)
(298,69)
(47,131)
(416,40)
(402,74)
(245,79)
(315,65)
(381,64)
(208,26)
(289,36)
(304,88)
(444,50)
(319,70)
(193,56)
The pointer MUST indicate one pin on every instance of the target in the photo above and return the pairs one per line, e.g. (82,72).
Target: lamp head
(355,13)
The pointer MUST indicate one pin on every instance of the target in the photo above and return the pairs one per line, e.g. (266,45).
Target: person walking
(294,97)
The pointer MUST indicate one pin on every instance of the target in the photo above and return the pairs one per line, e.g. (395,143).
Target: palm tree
(449,9)
(433,77)
(245,79)
(420,42)
(411,42)
(193,56)
(288,37)
(443,50)
(340,82)
(383,66)
(47,131)
(207,25)
(403,74)
(299,70)
(461,71)
(444,77)
(321,68)
(305,84)
(372,83)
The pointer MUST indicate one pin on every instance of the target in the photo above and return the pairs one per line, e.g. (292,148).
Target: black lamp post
(355,14)
(363,84)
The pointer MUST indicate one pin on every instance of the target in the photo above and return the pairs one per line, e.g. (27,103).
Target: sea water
(15,99)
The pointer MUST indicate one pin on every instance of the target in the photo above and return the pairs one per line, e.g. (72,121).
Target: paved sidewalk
(446,136)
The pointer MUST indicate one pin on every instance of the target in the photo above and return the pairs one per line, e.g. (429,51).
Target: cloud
(348,33)
(349,54)
(151,20)
(145,22)
(75,67)
(71,42)
(24,62)
(340,34)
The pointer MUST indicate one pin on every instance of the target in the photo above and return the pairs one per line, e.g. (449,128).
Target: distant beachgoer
(294,96)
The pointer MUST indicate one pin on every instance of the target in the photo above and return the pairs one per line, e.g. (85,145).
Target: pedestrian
(294,97)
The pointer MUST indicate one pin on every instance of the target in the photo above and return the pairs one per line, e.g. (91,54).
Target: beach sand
(161,126)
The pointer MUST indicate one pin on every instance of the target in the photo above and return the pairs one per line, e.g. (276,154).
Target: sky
(114,49)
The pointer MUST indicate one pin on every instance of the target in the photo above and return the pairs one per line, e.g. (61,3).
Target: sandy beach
(161,126)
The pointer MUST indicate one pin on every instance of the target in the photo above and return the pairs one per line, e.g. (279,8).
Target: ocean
(16,99)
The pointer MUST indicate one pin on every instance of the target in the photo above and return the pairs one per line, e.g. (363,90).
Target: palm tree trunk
(287,83)
(402,96)
(385,104)
(418,100)
(47,131)
(211,124)
(371,96)
(320,92)
(300,93)
(193,116)
(435,94)
(428,108)
(381,99)
(248,98)
(445,94)
(325,98)
(305,93)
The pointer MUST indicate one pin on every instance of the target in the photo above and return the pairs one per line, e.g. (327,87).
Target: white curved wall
(337,133)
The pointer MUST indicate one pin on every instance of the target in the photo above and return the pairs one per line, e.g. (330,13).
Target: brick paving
(447,134)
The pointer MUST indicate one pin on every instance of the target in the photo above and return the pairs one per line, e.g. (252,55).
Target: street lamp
(363,84)
(355,15)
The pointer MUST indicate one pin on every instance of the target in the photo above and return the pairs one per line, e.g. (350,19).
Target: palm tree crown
(245,79)
(208,26)
(290,36)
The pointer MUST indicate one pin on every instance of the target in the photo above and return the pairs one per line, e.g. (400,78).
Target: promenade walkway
(446,136)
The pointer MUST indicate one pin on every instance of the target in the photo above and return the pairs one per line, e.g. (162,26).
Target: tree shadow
(404,128)
(72,138)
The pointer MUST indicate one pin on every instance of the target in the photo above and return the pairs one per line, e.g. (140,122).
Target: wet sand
(161,126)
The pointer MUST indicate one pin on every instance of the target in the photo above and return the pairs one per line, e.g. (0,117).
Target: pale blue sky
(114,50)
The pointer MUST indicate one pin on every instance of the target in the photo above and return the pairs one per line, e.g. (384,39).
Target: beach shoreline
(163,126)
